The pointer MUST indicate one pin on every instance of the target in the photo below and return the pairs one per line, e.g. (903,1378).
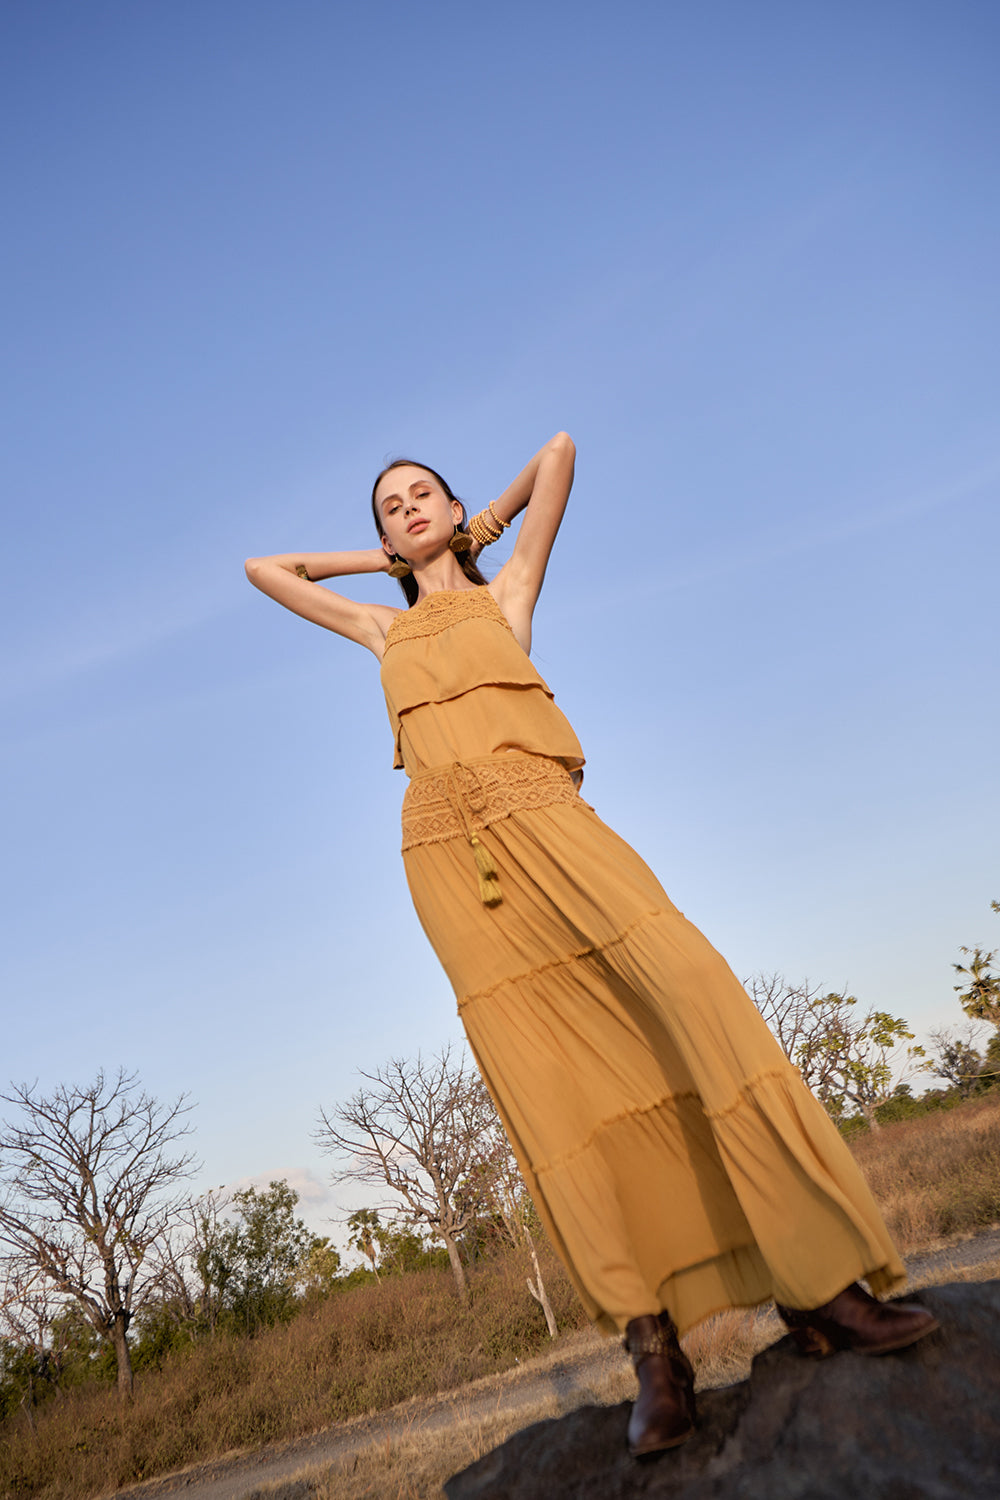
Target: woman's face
(415,514)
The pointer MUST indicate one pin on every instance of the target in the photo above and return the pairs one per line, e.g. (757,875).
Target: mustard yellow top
(457,647)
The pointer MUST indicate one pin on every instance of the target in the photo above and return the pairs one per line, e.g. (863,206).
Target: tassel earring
(461,541)
(400,567)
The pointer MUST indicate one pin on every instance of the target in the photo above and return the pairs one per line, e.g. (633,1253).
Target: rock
(923,1424)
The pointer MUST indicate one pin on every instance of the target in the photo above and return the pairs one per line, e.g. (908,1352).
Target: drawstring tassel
(489,881)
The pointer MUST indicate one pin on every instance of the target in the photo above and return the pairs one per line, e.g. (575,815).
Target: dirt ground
(569,1374)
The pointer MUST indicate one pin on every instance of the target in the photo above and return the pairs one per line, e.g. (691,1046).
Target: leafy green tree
(392,1249)
(850,1060)
(255,1263)
(854,1059)
(404,1248)
(320,1272)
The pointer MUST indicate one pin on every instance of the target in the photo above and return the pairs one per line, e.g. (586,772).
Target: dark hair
(409,583)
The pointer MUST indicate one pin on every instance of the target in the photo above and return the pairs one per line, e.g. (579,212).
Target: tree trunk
(123,1359)
(457,1267)
(538,1291)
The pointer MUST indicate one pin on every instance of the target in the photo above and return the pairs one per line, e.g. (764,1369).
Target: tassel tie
(461,799)
(470,797)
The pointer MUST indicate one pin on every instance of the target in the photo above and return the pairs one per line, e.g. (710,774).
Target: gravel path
(961,1256)
(582,1365)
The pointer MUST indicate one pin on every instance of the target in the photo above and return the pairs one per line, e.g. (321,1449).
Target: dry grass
(412,1467)
(934,1177)
(360,1352)
(414,1463)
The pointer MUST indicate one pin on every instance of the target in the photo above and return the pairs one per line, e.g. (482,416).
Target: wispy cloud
(799,537)
(126,626)
(838,525)
(313,1194)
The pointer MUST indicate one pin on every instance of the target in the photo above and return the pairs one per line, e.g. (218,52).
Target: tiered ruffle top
(473,670)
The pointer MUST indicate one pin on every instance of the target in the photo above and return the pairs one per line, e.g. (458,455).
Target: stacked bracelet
(481,529)
(487,527)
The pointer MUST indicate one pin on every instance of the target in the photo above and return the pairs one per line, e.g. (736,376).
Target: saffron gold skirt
(673,1153)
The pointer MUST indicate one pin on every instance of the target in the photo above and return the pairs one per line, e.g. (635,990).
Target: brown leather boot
(663,1414)
(855,1320)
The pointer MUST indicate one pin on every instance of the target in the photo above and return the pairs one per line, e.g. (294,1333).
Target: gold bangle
(498,519)
(482,529)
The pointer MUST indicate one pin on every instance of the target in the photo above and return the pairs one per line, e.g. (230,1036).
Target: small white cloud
(314,1195)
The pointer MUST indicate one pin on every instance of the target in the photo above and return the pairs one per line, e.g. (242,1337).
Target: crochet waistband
(460,800)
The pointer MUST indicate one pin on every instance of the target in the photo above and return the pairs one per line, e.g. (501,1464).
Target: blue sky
(745,254)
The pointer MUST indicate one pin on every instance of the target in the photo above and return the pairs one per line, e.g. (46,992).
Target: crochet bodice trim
(438,611)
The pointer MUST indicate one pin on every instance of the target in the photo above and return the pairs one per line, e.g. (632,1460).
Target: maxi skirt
(674,1155)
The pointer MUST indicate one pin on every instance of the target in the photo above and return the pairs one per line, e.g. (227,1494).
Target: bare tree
(498,1186)
(417,1130)
(28,1309)
(187,1259)
(799,1015)
(87,1193)
(956,1058)
(789,1009)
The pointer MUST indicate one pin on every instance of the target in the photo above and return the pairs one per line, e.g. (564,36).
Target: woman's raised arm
(542,490)
(293,579)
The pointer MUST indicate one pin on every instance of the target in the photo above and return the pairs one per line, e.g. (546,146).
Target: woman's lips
(418,525)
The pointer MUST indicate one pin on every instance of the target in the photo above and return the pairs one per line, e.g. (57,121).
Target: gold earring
(400,567)
(461,541)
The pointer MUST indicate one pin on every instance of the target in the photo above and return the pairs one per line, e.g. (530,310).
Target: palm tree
(979,992)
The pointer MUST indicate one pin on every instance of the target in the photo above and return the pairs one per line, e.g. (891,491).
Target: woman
(676,1158)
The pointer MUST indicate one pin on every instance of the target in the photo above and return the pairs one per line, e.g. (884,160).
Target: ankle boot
(855,1320)
(663,1414)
